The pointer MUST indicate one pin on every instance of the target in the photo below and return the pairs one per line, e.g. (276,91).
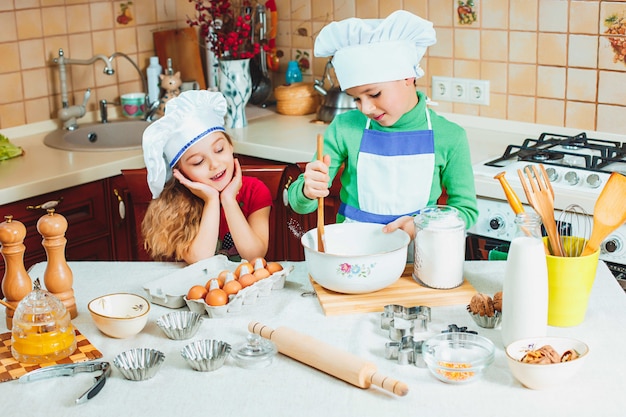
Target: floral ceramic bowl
(358,258)
(120,315)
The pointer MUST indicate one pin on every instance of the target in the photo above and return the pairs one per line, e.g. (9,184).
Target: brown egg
(216,297)
(220,282)
(273,267)
(246,280)
(223,274)
(261,273)
(259,263)
(238,271)
(197,292)
(232,287)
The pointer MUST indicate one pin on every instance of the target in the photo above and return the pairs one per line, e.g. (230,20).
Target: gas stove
(577,166)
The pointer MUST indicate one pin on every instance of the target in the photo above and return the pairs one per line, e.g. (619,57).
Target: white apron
(394,174)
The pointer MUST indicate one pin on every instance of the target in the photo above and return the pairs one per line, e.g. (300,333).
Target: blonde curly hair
(171,222)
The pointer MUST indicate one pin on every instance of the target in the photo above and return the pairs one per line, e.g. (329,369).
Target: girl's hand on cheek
(233,187)
(203,191)
(316,178)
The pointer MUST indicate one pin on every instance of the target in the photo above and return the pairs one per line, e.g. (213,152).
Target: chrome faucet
(68,114)
(150,108)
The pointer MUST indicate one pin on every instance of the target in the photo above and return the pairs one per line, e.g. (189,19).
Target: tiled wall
(548,61)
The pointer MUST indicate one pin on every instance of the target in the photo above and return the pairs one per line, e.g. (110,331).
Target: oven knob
(496,223)
(572,178)
(552,174)
(594,181)
(611,245)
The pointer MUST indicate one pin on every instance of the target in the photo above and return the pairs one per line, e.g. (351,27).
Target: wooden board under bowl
(405,291)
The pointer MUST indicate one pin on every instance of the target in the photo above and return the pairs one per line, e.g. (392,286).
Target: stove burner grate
(554,149)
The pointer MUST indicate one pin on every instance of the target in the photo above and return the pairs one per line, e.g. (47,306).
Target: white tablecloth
(288,387)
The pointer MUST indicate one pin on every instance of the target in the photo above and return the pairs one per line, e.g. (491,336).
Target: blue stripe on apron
(350,212)
(396,144)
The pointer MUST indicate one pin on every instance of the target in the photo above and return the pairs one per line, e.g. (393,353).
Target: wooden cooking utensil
(540,196)
(7,305)
(514,202)
(609,212)
(512,198)
(327,358)
(320,201)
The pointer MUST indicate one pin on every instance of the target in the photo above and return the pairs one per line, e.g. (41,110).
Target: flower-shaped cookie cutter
(407,352)
(403,321)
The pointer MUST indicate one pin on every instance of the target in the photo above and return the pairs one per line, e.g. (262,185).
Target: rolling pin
(327,358)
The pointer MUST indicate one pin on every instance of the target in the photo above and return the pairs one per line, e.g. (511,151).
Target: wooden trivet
(404,292)
(11,369)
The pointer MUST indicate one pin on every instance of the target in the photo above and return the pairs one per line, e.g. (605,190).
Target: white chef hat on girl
(367,51)
(188,119)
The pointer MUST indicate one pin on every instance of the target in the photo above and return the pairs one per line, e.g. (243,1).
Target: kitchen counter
(288,387)
(268,135)
(44,169)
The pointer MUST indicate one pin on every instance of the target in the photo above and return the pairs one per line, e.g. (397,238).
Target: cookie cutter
(452,328)
(403,321)
(407,352)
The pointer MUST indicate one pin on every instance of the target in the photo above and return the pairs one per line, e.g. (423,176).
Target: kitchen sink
(113,136)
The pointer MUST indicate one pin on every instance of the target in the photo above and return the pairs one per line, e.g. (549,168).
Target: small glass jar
(42,329)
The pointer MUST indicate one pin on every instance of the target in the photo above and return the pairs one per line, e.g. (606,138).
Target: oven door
(481,248)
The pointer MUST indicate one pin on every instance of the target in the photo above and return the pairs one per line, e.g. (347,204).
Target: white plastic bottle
(525,286)
(154,82)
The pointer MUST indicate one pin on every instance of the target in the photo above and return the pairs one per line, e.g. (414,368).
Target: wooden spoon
(320,201)
(609,212)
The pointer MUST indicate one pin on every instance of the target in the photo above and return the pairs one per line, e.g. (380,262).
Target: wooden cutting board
(183,46)
(11,369)
(405,292)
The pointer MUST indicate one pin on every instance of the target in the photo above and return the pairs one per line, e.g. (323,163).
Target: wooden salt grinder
(16,283)
(58,276)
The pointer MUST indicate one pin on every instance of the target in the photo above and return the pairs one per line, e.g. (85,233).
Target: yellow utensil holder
(569,284)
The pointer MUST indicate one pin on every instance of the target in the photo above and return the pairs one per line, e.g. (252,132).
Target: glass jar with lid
(42,329)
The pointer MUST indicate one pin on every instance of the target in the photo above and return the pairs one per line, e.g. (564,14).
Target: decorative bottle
(154,82)
(293,75)
(525,286)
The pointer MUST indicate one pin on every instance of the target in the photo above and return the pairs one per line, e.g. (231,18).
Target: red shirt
(252,196)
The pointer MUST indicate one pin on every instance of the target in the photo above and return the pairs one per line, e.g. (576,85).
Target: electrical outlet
(459,90)
(478,92)
(442,89)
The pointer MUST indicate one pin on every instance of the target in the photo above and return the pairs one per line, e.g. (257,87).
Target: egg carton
(171,290)
(245,296)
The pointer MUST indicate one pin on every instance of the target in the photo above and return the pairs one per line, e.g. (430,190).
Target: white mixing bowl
(359,257)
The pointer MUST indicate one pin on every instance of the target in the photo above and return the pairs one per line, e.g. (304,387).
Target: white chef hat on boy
(188,119)
(367,51)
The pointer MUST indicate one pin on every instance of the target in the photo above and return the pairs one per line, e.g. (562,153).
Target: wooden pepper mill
(58,276)
(16,283)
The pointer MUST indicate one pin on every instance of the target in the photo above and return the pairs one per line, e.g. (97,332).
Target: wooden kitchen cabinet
(289,225)
(286,226)
(95,230)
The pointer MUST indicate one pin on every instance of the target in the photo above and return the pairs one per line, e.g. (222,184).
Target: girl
(398,155)
(202,204)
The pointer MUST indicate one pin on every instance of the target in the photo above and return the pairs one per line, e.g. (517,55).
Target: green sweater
(453,167)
